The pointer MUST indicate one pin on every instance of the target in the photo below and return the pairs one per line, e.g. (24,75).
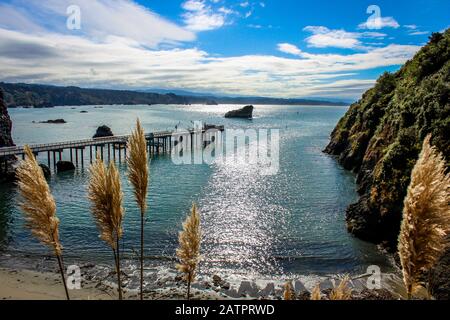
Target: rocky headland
(6,140)
(380,138)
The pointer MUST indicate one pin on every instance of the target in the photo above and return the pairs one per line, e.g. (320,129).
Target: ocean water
(290,223)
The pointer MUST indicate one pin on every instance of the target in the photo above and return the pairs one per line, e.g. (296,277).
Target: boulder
(62,166)
(244,113)
(103,131)
(45,170)
(56,121)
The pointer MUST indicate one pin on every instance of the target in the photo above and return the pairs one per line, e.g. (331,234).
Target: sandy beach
(32,285)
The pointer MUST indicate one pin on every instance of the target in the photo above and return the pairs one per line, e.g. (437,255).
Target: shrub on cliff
(381,135)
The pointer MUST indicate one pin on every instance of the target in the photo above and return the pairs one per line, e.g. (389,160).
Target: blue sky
(283,48)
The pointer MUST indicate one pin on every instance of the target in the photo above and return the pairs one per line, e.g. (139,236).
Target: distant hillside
(253,100)
(41,96)
(44,96)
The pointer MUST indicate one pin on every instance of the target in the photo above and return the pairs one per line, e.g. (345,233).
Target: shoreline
(162,283)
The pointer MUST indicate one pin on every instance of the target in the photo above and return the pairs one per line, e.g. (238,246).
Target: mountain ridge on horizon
(43,95)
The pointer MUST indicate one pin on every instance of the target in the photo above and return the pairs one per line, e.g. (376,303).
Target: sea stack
(103,131)
(244,113)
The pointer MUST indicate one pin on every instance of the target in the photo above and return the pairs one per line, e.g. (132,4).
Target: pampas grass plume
(315,293)
(288,291)
(426,217)
(138,173)
(188,252)
(342,291)
(39,206)
(105,194)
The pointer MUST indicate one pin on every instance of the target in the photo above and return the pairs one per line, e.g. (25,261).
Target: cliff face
(380,137)
(5,124)
(7,173)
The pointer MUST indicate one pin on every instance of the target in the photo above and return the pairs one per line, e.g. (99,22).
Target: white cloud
(226,10)
(379,23)
(100,20)
(193,5)
(323,37)
(120,45)
(70,60)
(410,26)
(203,21)
(12,18)
(200,17)
(413,30)
(289,48)
(418,33)
(244,4)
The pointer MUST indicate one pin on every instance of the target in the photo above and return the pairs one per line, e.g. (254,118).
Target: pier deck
(157,142)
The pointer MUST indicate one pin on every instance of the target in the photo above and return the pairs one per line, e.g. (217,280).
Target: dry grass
(315,294)
(289,293)
(106,202)
(188,252)
(39,206)
(138,173)
(105,194)
(426,217)
(38,203)
(342,291)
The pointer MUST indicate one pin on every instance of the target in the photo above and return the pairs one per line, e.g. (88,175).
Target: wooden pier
(107,148)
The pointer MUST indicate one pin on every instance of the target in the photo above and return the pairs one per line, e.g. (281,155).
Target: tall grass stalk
(105,194)
(188,252)
(39,207)
(138,174)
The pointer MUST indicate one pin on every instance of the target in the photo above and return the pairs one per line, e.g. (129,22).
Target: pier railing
(55,146)
(157,142)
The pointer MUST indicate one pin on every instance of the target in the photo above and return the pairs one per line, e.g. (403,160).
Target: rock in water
(63,166)
(103,131)
(56,121)
(245,113)
(45,170)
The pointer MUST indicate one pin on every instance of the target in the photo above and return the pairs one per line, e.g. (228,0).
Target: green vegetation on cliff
(381,135)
